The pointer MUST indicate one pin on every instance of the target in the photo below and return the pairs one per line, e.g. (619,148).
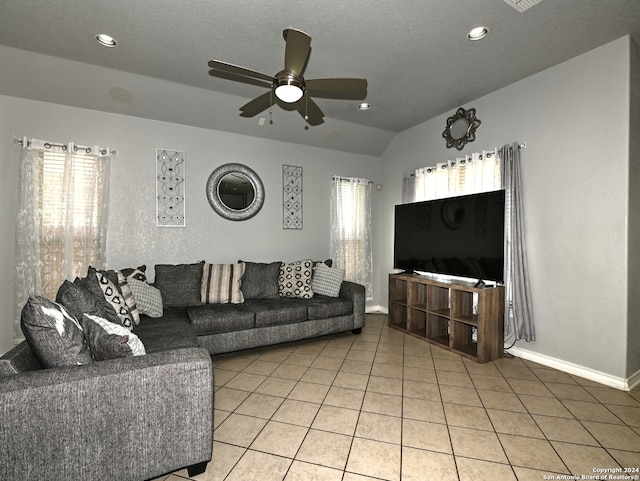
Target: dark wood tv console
(442,314)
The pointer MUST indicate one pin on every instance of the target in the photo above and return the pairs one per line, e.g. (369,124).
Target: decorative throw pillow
(135,272)
(54,336)
(113,296)
(221,283)
(127,295)
(91,284)
(180,285)
(110,341)
(78,300)
(295,279)
(260,280)
(327,280)
(148,298)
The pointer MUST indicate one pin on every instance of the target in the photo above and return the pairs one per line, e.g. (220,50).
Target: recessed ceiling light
(106,40)
(477,33)
(364,106)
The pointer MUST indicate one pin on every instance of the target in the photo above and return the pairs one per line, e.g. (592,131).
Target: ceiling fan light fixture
(106,40)
(477,33)
(288,87)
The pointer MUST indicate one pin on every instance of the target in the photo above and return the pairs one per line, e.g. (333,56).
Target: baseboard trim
(582,371)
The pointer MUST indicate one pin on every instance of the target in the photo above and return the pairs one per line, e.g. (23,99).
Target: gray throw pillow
(110,341)
(148,298)
(78,300)
(91,284)
(180,285)
(54,336)
(260,280)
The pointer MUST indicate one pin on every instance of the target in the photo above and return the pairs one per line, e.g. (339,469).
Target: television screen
(458,236)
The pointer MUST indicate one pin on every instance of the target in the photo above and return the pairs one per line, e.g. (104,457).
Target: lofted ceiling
(414,53)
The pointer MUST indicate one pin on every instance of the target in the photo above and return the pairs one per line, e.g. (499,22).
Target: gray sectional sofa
(141,416)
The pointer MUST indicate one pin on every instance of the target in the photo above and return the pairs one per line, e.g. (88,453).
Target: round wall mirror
(461,128)
(235,192)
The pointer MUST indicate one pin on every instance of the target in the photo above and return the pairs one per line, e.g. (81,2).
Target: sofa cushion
(171,331)
(17,360)
(78,300)
(139,272)
(114,297)
(218,318)
(54,336)
(181,284)
(295,279)
(323,307)
(148,298)
(108,340)
(221,283)
(270,312)
(327,280)
(260,280)
(91,284)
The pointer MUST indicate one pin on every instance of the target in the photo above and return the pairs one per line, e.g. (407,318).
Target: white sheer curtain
(350,219)
(61,226)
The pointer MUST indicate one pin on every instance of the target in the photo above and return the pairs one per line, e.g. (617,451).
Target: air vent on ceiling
(522,5)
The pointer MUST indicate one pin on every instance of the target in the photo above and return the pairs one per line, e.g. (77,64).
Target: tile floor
(386,406)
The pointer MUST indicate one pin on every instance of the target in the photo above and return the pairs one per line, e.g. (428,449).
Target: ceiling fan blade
(296,51)
(245,72)
(257,105)
(337,88)
(238,78)
(310,110)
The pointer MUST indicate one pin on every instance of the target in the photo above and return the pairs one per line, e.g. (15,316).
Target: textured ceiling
(414,53)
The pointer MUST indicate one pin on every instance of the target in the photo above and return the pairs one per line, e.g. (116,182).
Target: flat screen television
(458,236)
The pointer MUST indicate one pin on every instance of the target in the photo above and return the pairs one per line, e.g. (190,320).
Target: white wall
(133,237)
(574,119)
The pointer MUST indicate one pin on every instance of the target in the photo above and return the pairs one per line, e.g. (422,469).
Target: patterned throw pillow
(148,298)
(135,272)
(110,341)
(295,279)
(327,280)
(221,283)
(55,338)
(113,296)
(129,300)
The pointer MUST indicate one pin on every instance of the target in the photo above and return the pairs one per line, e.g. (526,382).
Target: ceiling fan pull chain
(271,108)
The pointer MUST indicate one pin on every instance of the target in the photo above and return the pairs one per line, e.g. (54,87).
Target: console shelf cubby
(442,313)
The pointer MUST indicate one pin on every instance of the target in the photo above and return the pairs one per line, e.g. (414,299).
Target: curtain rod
(64,147)
(348,179)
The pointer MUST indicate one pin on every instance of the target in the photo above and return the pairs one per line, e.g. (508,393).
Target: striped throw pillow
(221,283)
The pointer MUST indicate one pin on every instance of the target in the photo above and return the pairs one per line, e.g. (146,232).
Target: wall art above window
(170,188)
(291,197)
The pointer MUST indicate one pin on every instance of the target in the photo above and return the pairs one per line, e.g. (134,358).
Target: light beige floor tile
(225,457)
(491,383)
(614,436)
(421,390)
(535,388)
(363,345)
(382,404)
(311,347)
(245,381)
(389,358)
(460,395)
(219,416)
(309,391)
(509,422)
(359,355)
(351,380)
(527,474)
(419,374)
(376,459)
(290,371)
(256,466)
(301,413)
(239,430)
(454,378)
(338,353)
(327,362)
(417,349)
(325,448)
(260,405)
(423,410)
(545,406)
(357,367)
(229,399)
(319,376)
(625,458)
(567,430)
(444,364)
(261,367)
(300,471)
(467,416)
(419,362)
(486,369)
(512,372)
(274,356)
(609,395)
(419,465)
(386,370)
(581,460)
(274,386)
(222,376)
(336,420)
(387,348)
(385,385)
(501,400)
(586,411)
(472,443)
(235,363)
(572,392)
(438,352)
(280,438)
(344,397)
(379,427)
(478,470)
(628,414)
(426,435)
(531,453)
(551,375)
(300,359)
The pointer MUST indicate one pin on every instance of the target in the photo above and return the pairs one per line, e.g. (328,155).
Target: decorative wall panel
(291,197)
(170,188)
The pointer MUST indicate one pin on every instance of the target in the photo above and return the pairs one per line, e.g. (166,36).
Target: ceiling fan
(288,85)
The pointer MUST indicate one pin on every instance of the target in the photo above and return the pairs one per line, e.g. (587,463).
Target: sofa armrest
(133,419)
(357,295)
